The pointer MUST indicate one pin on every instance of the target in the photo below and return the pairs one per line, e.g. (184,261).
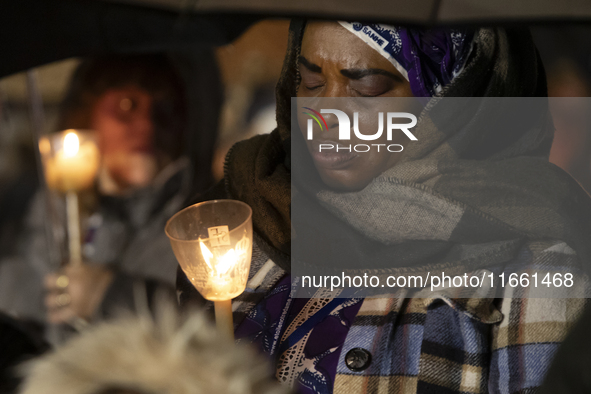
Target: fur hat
(143,356)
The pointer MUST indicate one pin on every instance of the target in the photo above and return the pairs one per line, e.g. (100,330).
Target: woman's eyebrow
(360,73)
(310,66)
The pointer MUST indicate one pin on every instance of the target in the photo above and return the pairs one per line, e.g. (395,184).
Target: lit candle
(71,164)
(72,168)
(226,273)
(218,263)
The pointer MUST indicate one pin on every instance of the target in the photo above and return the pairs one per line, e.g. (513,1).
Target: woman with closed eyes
(479,192)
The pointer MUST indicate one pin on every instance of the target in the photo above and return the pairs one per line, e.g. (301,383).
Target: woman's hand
(76,292)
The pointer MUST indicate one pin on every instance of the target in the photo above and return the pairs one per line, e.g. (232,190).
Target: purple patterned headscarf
(428,58)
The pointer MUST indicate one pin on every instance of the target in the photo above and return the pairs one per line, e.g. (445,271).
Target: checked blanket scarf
(488,187)
(421,345)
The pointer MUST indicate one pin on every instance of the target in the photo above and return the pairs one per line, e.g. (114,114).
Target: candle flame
(71,144)
(207,255)
(223,263)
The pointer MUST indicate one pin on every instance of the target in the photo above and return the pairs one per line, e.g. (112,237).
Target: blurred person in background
(156,119)
(566,52)
(571,148)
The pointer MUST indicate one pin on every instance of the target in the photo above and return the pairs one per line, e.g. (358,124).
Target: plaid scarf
(427,345)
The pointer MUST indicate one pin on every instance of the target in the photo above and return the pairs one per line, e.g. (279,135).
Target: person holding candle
(154,154)
(498,178)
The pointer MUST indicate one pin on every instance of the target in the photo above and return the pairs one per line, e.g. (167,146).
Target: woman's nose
(333,89)
(332,121)
(140,122)
(140,132)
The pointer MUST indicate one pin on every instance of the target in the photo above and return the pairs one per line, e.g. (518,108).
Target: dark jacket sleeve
(121,295)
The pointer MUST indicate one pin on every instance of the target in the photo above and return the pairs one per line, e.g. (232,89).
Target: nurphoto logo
(392,125)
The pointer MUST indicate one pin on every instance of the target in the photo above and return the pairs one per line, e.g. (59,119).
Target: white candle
(71,164)
(74,167)
(222,286)
(217,264)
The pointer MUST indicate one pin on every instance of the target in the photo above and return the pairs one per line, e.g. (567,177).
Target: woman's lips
(330,158)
